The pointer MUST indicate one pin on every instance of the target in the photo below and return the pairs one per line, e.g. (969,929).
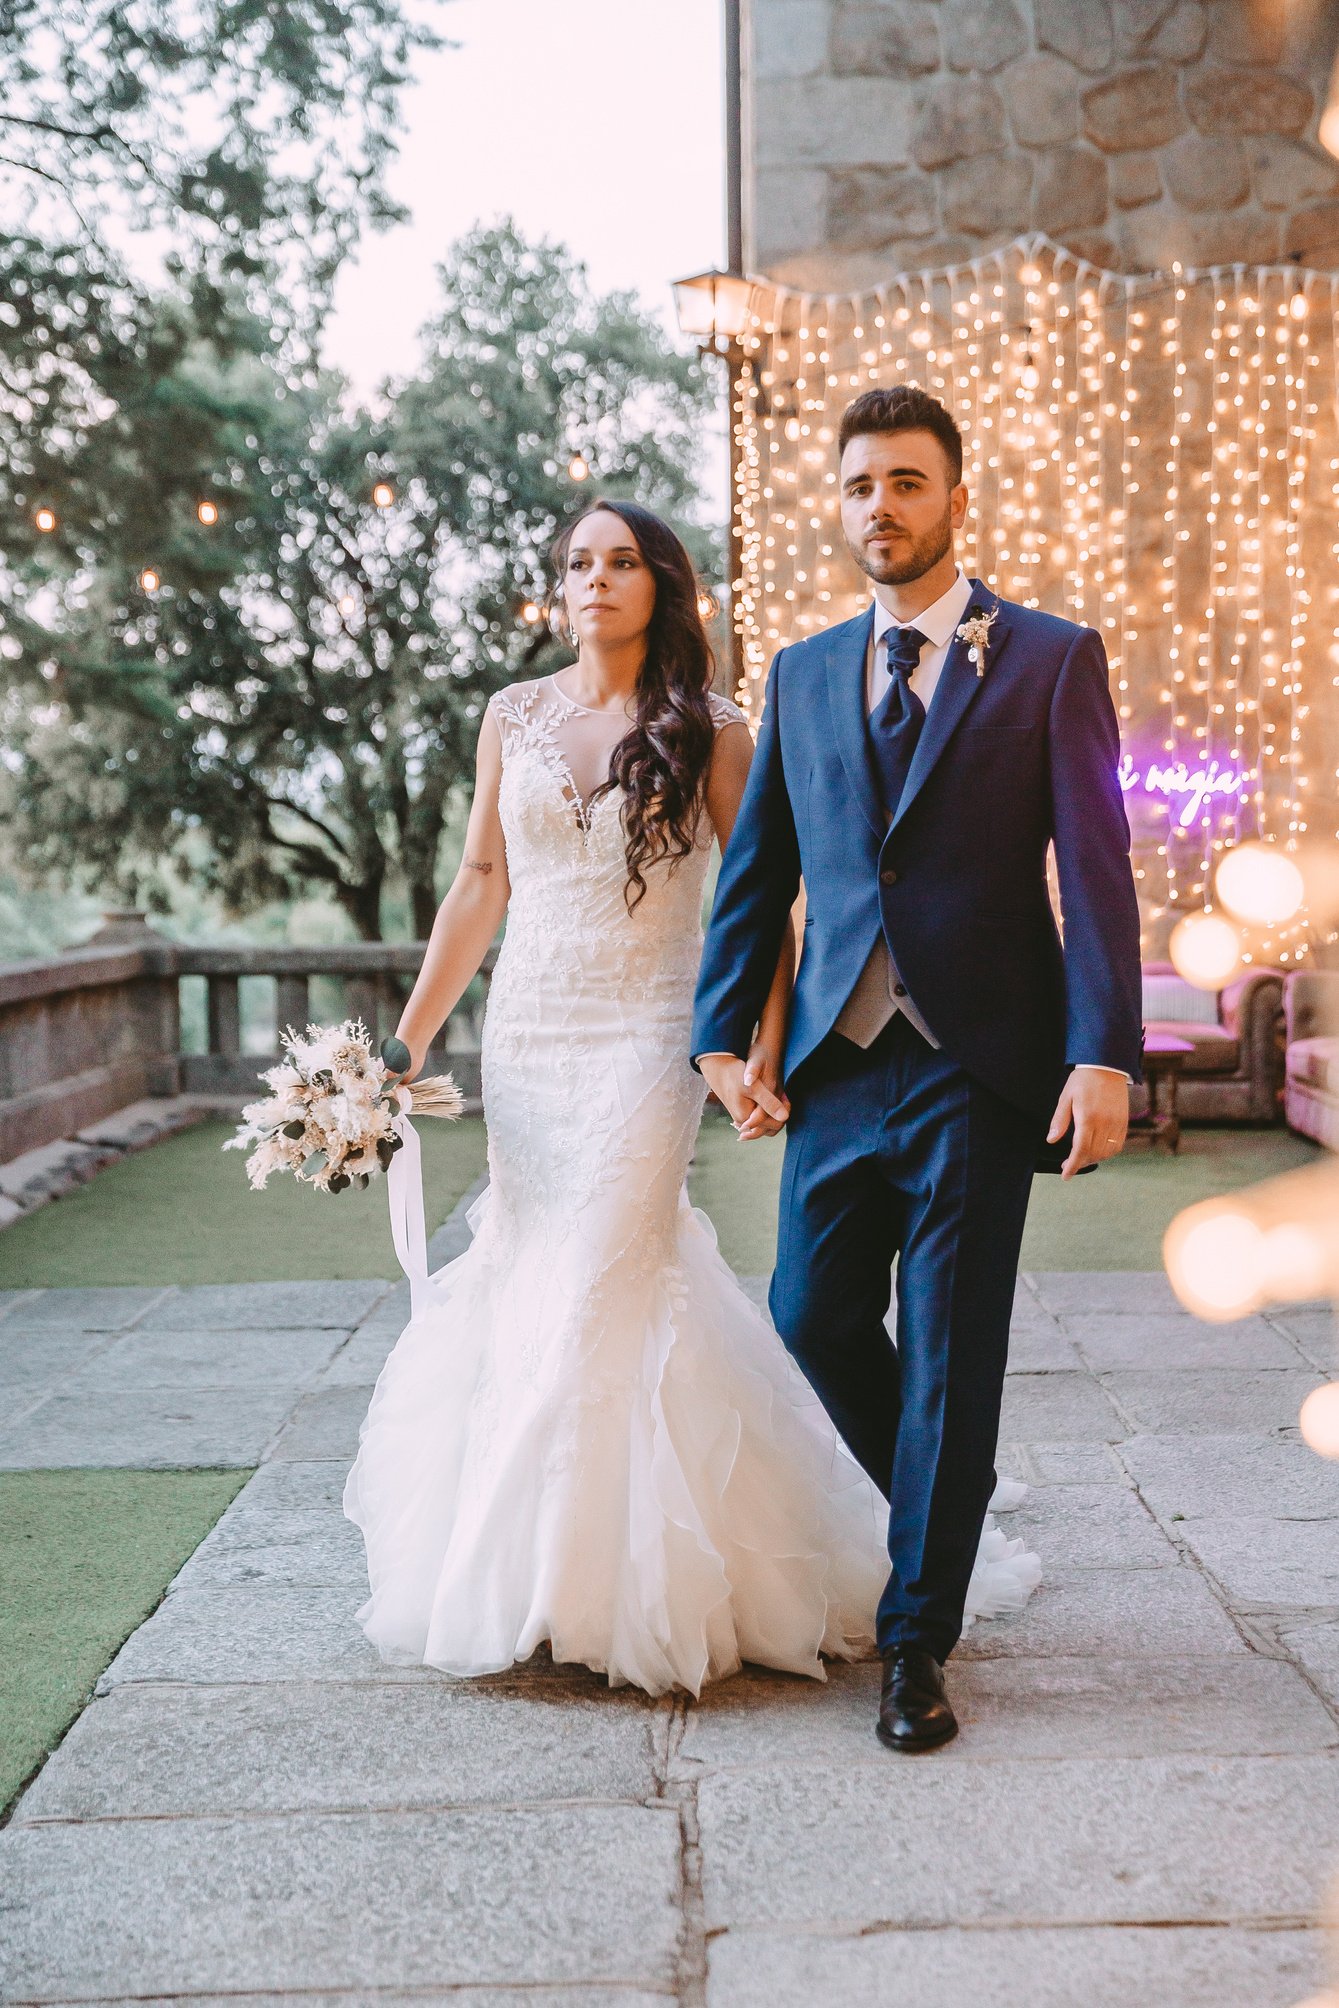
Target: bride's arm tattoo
(477,865)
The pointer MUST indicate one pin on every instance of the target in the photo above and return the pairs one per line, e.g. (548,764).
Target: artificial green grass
(84,1558)
(182,1212)
(737,1185)
(1113,1218)
(1116,1216)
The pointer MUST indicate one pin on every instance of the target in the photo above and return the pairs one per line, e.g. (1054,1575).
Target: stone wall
(916,133)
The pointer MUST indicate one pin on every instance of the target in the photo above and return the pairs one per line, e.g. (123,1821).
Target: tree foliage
(304,686)
(231,149)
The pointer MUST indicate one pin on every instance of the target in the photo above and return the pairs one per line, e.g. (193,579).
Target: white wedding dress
(588,1434)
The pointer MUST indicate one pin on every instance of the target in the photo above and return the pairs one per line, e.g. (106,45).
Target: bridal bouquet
(333,1104)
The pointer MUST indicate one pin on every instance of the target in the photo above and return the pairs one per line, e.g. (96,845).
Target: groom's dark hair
(903,408)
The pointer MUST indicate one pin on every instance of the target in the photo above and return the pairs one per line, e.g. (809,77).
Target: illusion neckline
(591,710)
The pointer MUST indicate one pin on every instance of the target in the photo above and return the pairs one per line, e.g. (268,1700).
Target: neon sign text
(1191,786)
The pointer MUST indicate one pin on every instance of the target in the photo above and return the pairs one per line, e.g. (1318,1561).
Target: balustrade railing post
(225,1015)
(362,996)
(292,1004)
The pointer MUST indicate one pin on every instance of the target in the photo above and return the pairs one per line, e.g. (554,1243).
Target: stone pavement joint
(1143,1805)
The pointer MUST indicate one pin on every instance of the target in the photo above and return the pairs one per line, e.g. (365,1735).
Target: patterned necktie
(895,723)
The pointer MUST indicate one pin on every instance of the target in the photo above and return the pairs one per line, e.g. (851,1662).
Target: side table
(1160,1128)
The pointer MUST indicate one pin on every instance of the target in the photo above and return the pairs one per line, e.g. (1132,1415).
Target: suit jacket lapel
(957,686)
(848,649)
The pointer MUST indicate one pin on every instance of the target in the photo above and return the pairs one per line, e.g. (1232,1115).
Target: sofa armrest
(1238,1003)
(1311,1004)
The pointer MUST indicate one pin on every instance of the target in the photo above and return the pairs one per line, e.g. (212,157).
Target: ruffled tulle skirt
(625,1465)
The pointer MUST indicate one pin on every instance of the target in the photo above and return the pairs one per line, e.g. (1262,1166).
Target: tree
(303,686)
(238,146)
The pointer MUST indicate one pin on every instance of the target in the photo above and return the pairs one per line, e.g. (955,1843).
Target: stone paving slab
(576,1996)
(1269,1562)
(335,1900)
(98,1308)
(301,1484)
(1089,1527)
(1090,1613)
(236,1307)
(1061,1463)
(1132,1292)
(159,1752)
(327,1555)
(1210,1402)
(1019,1708)
(149,1429)
(41,1359)
(1211,1477)
(1100,1968)
(1314,1643)
(360,1360)
(325,1424)
(157,1358)
(1040,1346)
(1175,1840)
(1110,1341)
(1058,1408)
(1314,1333)
(252,1632)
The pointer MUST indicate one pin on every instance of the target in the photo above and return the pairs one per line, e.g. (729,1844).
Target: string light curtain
(1156,457)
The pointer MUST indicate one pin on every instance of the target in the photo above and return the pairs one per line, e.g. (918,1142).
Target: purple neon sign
(1176,783)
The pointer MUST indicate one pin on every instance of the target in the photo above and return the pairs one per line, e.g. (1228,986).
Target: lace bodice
(565,848)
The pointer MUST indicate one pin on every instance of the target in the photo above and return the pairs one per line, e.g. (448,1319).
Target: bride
(587,1434)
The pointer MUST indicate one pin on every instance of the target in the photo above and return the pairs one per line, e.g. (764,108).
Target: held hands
(748,1090)
(1098,1105)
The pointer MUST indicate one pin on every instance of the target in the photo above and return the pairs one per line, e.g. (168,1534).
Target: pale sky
(596,122)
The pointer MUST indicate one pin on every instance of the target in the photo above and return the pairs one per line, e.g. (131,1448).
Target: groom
(913,765)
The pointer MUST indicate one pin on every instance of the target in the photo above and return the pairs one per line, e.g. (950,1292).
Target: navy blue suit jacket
(1007,763)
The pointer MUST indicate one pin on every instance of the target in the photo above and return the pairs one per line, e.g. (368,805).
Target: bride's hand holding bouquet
(335,1114)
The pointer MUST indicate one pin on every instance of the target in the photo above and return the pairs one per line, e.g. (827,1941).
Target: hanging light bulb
(1206,950)
(45,519)
(1214,1259)
(531,614)
(1030,377)
(208,512)
(578,468)
(708,606)
(1298,304)
(1319,1420)
(347,604)
(1260,883)
(149,580)
(383,494)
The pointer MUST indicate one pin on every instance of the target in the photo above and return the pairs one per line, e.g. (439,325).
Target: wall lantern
(713,304)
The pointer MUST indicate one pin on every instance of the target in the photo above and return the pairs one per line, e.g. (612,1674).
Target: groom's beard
(912,560)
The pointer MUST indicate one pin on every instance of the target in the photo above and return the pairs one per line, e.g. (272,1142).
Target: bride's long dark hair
(661,763)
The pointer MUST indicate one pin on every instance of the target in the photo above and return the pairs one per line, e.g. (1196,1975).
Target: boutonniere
(975,631)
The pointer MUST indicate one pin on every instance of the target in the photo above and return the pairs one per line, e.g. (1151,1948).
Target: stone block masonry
(917,133)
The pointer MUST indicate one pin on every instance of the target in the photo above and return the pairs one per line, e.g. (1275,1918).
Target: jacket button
(888,878)
(899,989)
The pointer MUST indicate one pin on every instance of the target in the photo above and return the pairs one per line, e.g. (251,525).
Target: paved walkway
(1143,1807)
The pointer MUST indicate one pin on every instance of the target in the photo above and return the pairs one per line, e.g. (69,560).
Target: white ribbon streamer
(404,1190)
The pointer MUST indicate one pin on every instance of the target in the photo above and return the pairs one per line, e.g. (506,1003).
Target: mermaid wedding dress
(587,1433)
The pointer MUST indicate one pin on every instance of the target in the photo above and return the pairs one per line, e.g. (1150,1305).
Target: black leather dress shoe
(914,1712)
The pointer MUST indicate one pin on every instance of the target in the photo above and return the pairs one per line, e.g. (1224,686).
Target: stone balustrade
(85,1034)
